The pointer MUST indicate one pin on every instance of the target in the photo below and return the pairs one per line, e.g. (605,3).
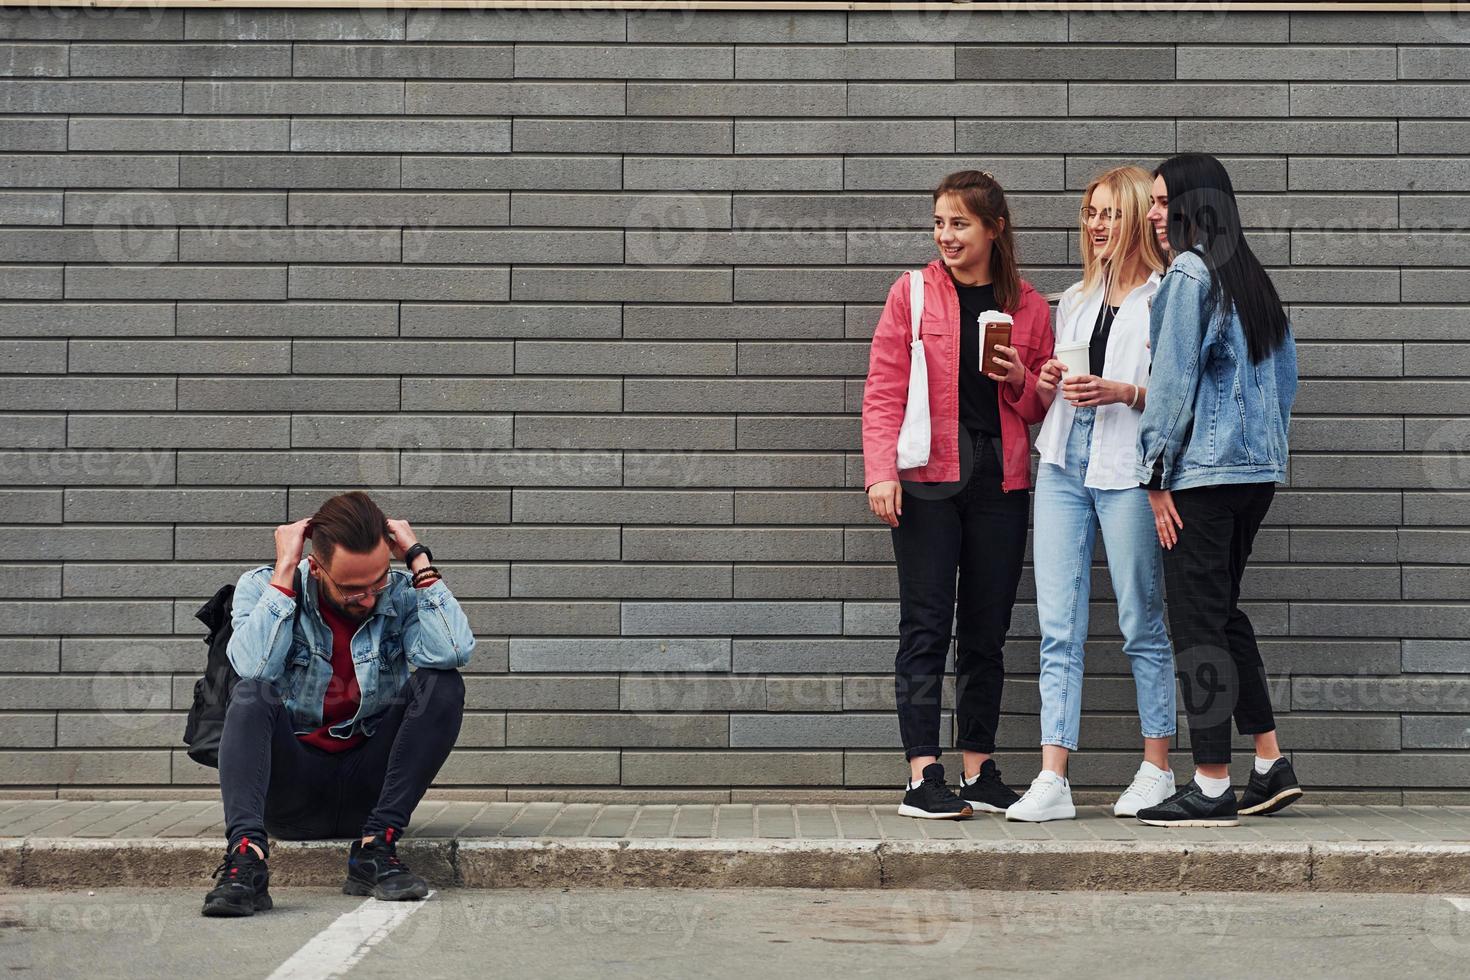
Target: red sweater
(343,696)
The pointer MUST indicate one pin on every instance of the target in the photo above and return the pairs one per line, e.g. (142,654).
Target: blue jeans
(1068,515)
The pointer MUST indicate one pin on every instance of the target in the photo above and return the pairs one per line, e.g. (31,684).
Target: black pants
(975,528)
(271,780)
(1218,663)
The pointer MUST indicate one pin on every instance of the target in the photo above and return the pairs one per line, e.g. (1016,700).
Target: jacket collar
(940,273)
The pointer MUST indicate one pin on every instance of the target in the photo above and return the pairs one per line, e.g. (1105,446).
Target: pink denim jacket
(886,391)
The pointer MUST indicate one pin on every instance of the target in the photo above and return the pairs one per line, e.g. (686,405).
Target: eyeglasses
(356,596)
(1107,214)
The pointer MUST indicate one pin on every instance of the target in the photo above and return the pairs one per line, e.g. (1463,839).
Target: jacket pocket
(298,669)
(387,660)
(1266,418)
(936,327)
(1235,436)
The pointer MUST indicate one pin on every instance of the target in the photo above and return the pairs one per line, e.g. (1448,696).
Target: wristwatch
(419,548)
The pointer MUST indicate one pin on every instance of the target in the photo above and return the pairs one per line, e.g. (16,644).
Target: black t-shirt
(1097,351)
(979,408)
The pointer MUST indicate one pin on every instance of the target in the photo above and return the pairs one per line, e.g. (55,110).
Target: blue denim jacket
(1212,416)
(408,627)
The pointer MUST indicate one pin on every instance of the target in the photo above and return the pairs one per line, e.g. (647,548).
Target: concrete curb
(1433,868)
(670,863)
(1096,865)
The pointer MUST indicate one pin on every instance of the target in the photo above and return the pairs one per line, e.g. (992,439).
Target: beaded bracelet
(428,571)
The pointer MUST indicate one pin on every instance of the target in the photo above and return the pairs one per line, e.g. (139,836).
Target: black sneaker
(987,794)
(1190,807)
(244,882)
(932,800)
(375,869)
(1274,791)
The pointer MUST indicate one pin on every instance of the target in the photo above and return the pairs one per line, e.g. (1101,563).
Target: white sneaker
(1151,787)
(1049,798)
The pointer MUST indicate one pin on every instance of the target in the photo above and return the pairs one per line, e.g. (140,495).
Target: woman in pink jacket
(966,509)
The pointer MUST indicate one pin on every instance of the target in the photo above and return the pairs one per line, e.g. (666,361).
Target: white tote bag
(913,435)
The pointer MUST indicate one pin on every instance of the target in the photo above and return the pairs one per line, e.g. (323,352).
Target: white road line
(339,947)
(1463,904)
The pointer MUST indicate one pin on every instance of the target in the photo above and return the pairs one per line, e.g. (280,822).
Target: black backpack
(206,720)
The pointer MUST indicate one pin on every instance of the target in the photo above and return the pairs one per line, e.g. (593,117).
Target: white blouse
(1111,459)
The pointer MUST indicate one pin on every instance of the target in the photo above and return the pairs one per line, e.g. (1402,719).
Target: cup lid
(996,316)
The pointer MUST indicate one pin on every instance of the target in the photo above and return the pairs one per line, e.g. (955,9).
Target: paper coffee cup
(1077,357)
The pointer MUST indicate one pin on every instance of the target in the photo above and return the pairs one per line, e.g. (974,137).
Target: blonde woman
(1086,482)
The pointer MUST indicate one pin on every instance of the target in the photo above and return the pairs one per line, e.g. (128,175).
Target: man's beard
(357,615)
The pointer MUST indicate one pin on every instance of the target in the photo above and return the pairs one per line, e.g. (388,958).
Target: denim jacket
(408,627)
(1212,416)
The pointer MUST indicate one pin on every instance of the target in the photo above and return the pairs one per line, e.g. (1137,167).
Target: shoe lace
(1036,788)
(387,857)
(1180,793)
(939,790)
(235,860)
(1143,782)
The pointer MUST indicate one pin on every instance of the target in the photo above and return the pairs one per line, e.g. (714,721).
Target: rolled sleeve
(1029,403)
(260,619)
(436,633)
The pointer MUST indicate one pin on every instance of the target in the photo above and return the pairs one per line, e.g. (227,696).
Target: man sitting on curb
(327,734)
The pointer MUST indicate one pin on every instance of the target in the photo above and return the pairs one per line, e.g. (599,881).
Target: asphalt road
(756,933)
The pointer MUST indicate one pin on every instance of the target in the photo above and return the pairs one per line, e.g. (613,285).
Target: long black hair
(1203,216)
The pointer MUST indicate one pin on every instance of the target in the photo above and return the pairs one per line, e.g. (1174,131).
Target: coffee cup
(995,328)
(1077,357)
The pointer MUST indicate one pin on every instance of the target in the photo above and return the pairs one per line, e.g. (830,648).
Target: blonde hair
(1132,234)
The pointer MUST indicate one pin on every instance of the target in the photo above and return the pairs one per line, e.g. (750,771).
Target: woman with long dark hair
(965,508)
(1212,444)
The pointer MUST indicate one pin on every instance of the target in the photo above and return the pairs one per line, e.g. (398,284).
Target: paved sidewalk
(128,819)
(60,843)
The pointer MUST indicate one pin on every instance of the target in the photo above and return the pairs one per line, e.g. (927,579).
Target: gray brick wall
(585,295)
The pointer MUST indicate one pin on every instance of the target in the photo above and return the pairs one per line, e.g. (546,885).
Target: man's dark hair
(350,521)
